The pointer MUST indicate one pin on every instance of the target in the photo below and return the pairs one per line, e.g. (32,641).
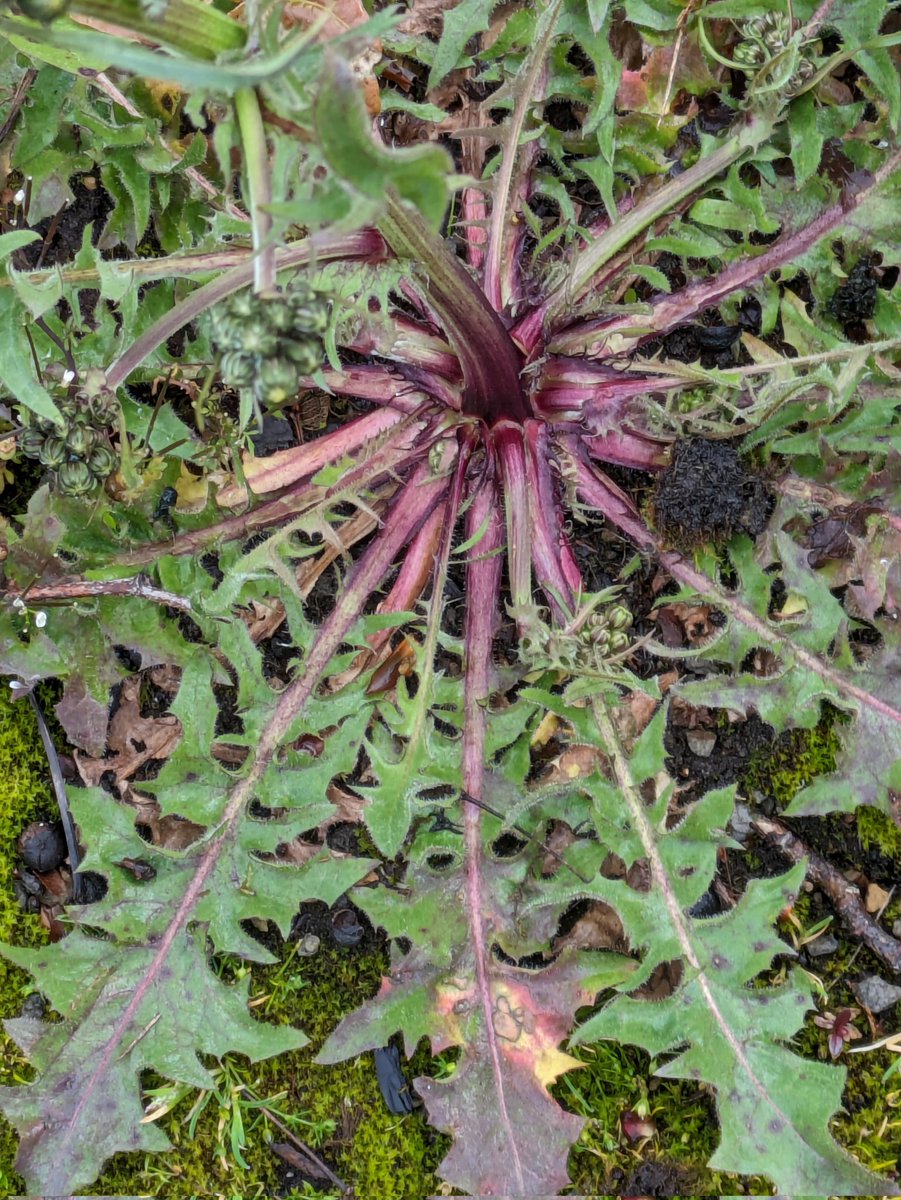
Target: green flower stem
(259,180)
(190,26)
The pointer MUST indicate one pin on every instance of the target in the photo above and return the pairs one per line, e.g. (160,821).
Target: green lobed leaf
(419,174)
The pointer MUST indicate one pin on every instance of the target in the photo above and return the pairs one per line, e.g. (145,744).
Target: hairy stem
(483,583)
(501,227)
(259,180)
(512,459)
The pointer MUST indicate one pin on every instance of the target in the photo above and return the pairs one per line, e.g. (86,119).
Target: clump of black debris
(855,299)
(707,495)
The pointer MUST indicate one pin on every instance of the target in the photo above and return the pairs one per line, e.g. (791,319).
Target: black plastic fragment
(347,929)
(392,1082)
(42,846)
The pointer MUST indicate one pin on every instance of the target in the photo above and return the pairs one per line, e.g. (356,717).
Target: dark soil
(736,743)
(655,1178)
(61,234)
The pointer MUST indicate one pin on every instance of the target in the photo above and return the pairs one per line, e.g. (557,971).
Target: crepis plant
(506,380)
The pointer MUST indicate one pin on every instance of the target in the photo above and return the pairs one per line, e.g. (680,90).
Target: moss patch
(25,796)
(794,760)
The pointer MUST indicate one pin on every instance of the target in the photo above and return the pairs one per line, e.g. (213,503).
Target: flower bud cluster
(592,646)
(268,343)
(79,454)
(764,38)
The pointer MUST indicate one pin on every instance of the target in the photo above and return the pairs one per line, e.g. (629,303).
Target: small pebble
(822,946)
(896,928)
(308,945)
(740,823)
(875,994)
(346,927)
(34,1006)
(701,742)
(42,846)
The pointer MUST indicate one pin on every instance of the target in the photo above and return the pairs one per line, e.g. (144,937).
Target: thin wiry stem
(365,244)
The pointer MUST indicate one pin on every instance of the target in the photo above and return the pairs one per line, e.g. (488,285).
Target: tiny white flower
(19,603)
(40,619)
(68,376)
(15,685)
(19,197)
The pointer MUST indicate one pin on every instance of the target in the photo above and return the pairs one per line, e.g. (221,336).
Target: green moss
(616,1079)
(24,797)
(877,831)
(794,760)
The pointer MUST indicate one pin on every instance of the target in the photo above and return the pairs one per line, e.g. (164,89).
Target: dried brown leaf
(597,929)
(684,624)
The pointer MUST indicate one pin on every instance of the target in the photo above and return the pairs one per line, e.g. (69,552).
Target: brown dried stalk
(844,895)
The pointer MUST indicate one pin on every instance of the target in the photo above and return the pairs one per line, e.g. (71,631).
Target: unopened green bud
(277,381)
(102,461)
(81,439)
(76,479)
(103,409)
(748,54)
(238,369)
(53,452)
(31,442)
(306,355)
(257,339)
(618,617)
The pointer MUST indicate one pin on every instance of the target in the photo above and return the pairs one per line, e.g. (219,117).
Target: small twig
(75,589)
(530,837)
(817,19)
(59,791)
(328,1173)
(843,894)
(131,1045)
(891,1042)
(65,350)
(15,105)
